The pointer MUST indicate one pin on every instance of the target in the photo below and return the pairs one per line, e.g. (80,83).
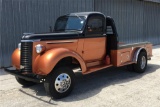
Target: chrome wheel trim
(62,83)
(143,62)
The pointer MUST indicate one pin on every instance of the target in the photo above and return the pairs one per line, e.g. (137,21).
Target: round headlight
(19,46)
(40,48)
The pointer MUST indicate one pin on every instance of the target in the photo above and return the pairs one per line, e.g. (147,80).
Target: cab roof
(84,13)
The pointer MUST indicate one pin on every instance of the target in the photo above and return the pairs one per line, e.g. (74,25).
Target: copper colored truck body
(44,63)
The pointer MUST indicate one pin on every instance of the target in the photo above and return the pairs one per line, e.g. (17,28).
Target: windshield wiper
(79,17)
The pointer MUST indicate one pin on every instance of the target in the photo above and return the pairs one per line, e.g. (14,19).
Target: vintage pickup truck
(87,40)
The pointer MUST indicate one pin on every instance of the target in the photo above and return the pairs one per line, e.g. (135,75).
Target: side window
(95,25)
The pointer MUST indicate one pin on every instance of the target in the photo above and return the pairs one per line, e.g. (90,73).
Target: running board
(96,68)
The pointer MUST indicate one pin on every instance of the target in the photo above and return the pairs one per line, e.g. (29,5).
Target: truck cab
(85,40)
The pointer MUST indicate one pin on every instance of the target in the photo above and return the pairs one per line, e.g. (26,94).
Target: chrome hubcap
(62,83)
(143,62)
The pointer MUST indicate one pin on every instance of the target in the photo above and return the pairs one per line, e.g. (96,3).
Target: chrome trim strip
(62,41)
(30,40)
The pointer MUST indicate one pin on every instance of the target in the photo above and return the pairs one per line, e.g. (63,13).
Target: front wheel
(60,82)
(141,64)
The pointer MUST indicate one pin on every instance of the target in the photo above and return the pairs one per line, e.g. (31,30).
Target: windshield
(69,23)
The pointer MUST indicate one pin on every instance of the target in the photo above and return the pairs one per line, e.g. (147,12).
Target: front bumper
(26,76)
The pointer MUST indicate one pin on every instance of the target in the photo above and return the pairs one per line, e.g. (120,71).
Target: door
(94,47)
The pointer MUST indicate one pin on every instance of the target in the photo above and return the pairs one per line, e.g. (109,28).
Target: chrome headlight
(19,46)
(40,48)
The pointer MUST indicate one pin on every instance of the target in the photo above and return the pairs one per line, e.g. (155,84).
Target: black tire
(61,76)
(25,82)
(141,64)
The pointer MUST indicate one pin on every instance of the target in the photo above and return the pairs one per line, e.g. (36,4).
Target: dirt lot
(114,87)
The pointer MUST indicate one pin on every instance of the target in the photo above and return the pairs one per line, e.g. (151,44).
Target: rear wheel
(24,82)
(141,64)
(60,82)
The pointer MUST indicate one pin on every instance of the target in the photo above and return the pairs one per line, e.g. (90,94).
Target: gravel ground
(113,87)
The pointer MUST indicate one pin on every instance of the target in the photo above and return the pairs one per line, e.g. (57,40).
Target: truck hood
(51,36)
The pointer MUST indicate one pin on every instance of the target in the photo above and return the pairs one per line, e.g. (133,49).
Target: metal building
(136,20)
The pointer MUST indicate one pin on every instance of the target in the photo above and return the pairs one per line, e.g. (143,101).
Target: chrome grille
(26,56)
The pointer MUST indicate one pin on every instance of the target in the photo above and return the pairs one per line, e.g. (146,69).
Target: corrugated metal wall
(152,22)
(136,20)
